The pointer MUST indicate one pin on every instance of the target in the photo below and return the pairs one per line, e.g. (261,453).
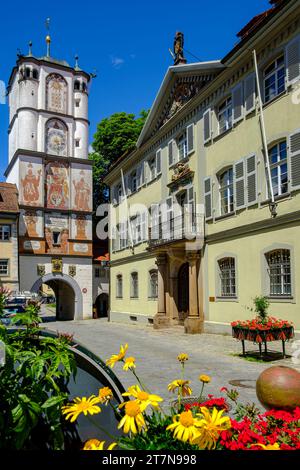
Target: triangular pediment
(180,84)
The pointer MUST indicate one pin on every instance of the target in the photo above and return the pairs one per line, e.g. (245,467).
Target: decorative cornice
(46,111)
(127,259)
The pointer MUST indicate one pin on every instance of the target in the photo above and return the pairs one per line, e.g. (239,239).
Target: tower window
(83,86)
(27,72)
(77,143)
(77,103)
(35,74)
(77,85)
(56,238)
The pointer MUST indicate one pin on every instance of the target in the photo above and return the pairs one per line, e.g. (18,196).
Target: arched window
(279,168)
(227,277)
(226,191)
(76,85)
(35,74)
(27,72)
(279,272)
(56,137)
(134,285)
(119,290)
(56,93)
(83,86)
(153,284)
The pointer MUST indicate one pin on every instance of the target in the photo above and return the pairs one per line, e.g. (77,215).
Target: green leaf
(53,401)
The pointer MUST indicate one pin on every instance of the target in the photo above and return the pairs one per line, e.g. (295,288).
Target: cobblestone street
(156,353)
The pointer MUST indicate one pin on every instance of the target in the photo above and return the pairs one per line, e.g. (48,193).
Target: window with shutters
(279,272)
(152,168)
(182,145)
(123,235)
(225,115)
(208,198)
(226,191)
(153,284)
(227,277)
(274,79)
(279,168)
(119,287)
(134,285)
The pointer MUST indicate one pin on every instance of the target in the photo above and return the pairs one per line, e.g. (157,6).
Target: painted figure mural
(56,93)
(30,185)
(81,225)
(82,191)
(31,220)
(57,184)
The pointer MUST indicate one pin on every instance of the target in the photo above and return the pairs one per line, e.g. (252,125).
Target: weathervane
(48,38)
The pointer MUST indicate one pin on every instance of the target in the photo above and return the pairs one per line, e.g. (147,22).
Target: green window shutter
(208,197)
(239,184)
(294,160)
(293,60)
(251,176)
(207,126)
(249,93)
(190,138)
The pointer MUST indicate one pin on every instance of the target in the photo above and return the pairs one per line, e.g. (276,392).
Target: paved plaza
(156,355)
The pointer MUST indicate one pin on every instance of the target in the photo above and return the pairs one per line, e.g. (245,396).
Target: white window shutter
(190,138)
(251,175)
(171,154)
(207,125)
(237,103)
(128,184)
(249,93)
(144,225)
(144,172)
(208,197)
(154,221)
(140,175)
(293,60)
(294,160)
(239,184)
(158,162)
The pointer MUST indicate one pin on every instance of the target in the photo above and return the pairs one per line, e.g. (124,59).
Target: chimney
(178,49)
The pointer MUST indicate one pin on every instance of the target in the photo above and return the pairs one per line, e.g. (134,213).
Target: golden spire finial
(48,38)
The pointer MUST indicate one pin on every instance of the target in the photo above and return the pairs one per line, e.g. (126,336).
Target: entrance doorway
(68,297)
(101,305)
(183,292)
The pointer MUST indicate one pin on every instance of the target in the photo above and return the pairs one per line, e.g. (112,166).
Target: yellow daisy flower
(94,444)
(184,426)
(274,446)
(204,378)
(182,385)
(105,395)
(81,405)
(117,357)
(211,426)
(129,363)
(133,421)
(143,398)
(182,358)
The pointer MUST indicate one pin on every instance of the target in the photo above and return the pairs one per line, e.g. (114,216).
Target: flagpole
(273,204)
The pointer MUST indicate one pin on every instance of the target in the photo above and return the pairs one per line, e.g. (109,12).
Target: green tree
(115,136)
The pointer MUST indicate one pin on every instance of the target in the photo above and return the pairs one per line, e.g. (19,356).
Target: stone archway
(69,305)
(101,305)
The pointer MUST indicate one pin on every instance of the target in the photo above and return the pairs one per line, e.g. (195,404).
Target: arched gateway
(68,295)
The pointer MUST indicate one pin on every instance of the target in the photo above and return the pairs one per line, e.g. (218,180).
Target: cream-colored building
(9,214)
(202,149)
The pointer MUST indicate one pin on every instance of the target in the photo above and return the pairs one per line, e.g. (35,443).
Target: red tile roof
(253,24)
(9,198)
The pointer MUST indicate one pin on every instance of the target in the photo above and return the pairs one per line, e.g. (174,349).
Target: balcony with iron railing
(182,228)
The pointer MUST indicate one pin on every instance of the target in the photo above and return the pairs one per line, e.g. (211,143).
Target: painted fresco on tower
(57,233)
(56,93)
(81,188)
(81,228)
(57,185)
(31,224)
(56,138)
(31,184)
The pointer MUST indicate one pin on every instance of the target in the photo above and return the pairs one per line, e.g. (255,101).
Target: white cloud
(117,62)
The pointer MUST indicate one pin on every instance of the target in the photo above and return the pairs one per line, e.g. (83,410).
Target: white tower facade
(48,161)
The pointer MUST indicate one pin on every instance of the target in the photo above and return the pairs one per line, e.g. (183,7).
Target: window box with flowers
(263,328)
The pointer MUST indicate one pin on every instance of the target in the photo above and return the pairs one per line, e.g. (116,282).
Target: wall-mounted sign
(57,265)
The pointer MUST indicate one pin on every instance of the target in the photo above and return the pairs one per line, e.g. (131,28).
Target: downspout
(272,204)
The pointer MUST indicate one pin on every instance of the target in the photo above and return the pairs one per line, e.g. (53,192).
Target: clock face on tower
(56,138)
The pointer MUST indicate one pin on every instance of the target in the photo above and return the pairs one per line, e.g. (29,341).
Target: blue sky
(126,42)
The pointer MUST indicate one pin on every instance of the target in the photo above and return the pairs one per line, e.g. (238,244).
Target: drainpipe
(272,204)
